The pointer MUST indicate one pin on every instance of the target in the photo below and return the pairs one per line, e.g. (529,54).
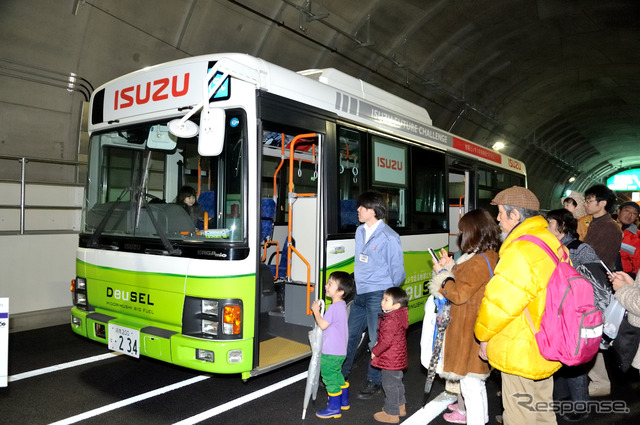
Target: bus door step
(295,304)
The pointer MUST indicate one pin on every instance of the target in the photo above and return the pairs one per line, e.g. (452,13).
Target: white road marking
(122,403)
(431,410)
(55,368)
(128,401)
(242,400)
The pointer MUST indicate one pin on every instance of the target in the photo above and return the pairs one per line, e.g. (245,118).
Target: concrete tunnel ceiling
(557,81)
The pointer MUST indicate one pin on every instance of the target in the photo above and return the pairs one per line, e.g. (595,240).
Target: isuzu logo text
(391,164)
(153,91)
(515,164)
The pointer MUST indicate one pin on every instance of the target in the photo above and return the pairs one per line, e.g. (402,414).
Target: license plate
(124,340)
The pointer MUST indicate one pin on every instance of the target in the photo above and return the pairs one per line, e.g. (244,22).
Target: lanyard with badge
(364,258)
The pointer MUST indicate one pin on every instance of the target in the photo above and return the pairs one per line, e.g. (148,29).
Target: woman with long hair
(463,283)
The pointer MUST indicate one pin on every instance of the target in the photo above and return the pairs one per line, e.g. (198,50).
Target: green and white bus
(278,160)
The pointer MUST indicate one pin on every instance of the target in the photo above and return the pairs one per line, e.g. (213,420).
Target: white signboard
(4,340)
(390,163)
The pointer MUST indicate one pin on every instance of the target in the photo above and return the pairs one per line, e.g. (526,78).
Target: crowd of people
(494,293)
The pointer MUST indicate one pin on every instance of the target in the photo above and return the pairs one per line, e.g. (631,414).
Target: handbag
(428,326)
(625,346)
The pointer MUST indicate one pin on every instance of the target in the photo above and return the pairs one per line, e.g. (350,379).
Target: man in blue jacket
(378,265)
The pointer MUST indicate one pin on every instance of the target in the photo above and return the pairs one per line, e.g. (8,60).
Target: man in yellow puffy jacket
(520,281)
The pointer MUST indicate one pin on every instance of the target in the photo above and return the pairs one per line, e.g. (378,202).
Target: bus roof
(161,90)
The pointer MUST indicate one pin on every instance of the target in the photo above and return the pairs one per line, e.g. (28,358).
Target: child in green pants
(339,288)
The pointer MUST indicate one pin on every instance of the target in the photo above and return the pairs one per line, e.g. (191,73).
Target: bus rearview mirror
(212,126)
(161,139)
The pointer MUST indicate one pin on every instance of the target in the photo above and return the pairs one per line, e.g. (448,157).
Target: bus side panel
(155,298)
(417,265)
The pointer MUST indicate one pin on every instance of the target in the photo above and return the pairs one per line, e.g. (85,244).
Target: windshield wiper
(142,199)
(93,242)
(170,249)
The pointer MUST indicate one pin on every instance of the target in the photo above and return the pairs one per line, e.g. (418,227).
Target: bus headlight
(209,327)
(212,318)
(81,284)
(79,292)
(210,307)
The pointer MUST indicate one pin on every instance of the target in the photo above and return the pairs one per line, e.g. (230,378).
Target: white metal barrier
(40,218)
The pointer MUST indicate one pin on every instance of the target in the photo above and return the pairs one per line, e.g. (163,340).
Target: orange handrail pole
(275,175)
(289,240)
(461,207)
(264,255)
(291,153)
(291,159)
(275,178)
(310,288)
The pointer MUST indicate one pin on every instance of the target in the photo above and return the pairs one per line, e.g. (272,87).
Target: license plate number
(124,340)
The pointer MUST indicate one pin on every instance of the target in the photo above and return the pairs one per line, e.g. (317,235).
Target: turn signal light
(232,320)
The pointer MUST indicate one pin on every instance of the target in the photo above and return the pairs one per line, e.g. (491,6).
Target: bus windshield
(150,186)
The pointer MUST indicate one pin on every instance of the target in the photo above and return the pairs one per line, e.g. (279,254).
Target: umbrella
(313,376)
(442,320)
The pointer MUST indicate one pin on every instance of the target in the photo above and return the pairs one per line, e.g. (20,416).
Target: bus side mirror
(212,131)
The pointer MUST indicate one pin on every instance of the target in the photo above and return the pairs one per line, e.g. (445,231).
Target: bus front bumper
(213,356)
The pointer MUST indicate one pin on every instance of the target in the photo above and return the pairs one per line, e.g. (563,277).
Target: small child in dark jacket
(390,353)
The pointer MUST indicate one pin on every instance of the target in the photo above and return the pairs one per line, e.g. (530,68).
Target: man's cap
(517,196)
(631,204)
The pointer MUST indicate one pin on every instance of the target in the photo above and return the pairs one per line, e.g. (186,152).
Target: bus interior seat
(267,219)
(207,201)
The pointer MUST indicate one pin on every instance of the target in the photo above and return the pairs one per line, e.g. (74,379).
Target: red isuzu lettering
(392,164)
(124,98)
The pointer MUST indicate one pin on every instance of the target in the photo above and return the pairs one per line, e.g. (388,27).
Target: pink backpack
(571,326)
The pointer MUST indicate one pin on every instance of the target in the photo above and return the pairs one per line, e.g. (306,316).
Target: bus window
(389,175)
(275,169)
(490,182)
(349,177)
(428,190)
(133,188)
